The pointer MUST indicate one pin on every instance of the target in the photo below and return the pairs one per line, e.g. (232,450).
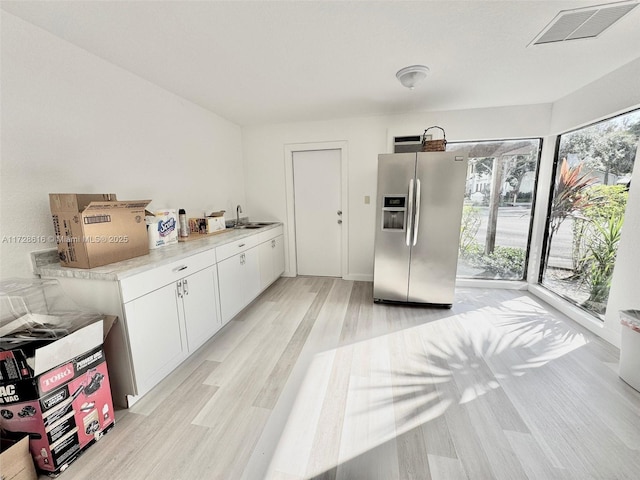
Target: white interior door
(318,212)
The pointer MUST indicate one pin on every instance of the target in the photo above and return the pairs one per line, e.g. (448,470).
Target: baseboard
(359,277)
(483,283)
(576,314)
(354,277)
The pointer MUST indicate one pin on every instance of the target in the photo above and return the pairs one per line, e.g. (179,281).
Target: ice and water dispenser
(394,212)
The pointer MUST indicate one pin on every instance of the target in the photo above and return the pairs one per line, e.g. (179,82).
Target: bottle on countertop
(184,223)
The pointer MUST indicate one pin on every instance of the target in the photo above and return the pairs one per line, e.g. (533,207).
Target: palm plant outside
(570,197)
(601,261)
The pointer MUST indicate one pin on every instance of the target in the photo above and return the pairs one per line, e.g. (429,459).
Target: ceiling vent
(586,22)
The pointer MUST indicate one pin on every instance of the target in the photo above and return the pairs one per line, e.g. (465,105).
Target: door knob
(339,212)
(339,221)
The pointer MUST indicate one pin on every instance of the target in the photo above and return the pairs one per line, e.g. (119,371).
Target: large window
(593,169)
(498,206)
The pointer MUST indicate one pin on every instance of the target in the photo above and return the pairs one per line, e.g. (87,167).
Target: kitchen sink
(253,225)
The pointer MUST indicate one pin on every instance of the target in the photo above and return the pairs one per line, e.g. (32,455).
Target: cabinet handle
(273,243)
(181,268)
(241,245)
(185,287)
(179,288)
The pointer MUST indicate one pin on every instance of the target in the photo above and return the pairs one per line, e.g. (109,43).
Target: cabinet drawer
(138,285)
(228,250)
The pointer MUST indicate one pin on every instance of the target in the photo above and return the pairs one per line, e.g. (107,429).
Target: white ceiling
(283,61)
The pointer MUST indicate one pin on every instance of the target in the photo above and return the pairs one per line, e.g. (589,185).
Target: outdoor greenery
(596,234)
(604,202)
(570,197)
(469,228)
(516,169)
(503,262)
(601,260)
(594,159)
(608,147)
(585,216)
(499,195)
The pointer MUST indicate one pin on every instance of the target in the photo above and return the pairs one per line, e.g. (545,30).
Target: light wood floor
(315,381)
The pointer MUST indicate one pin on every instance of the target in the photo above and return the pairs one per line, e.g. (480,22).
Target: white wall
(617,92)
(625,286)
(72,122)
(264,157)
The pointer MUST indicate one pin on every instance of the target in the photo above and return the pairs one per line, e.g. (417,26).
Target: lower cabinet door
(200,306)
(251,275)
(155,337)
(232,290)
(239,278)
(278,257)
(271,256)
(265,255)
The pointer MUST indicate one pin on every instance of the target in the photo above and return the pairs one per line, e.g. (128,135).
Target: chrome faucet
(238,212)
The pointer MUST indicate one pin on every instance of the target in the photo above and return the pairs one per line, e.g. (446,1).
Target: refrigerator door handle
(410,214)
(417,218)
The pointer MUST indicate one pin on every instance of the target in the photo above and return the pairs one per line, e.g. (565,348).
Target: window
(498,207)
(593,168)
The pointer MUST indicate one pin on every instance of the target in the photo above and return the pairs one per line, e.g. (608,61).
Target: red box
(64,409)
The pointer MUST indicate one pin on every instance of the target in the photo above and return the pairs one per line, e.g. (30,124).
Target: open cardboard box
(60,397)
(15,459)
(96,229)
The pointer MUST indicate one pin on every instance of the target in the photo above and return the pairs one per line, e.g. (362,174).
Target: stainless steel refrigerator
(419,210)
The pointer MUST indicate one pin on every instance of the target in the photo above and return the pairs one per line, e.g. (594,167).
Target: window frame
(534,199)
(545,241)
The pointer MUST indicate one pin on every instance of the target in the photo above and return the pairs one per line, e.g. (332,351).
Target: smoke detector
(588,22)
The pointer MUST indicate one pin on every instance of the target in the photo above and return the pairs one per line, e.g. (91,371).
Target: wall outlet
(367,199)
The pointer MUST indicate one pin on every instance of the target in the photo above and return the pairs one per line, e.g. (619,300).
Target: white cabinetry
(169,308)
(271,260)
(167,322)
(199,306)
(246,267)
(155,337)
(239,282)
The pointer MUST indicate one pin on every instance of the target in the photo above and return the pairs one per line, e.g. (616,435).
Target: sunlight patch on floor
(403,380)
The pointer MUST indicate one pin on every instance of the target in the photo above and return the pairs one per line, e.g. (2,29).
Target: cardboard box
(215,224)
(96,229)
(15,459)
(63,402)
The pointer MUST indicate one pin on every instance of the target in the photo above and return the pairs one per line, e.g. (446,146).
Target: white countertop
(156,257)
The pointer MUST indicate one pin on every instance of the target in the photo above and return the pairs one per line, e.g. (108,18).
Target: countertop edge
(155,258)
